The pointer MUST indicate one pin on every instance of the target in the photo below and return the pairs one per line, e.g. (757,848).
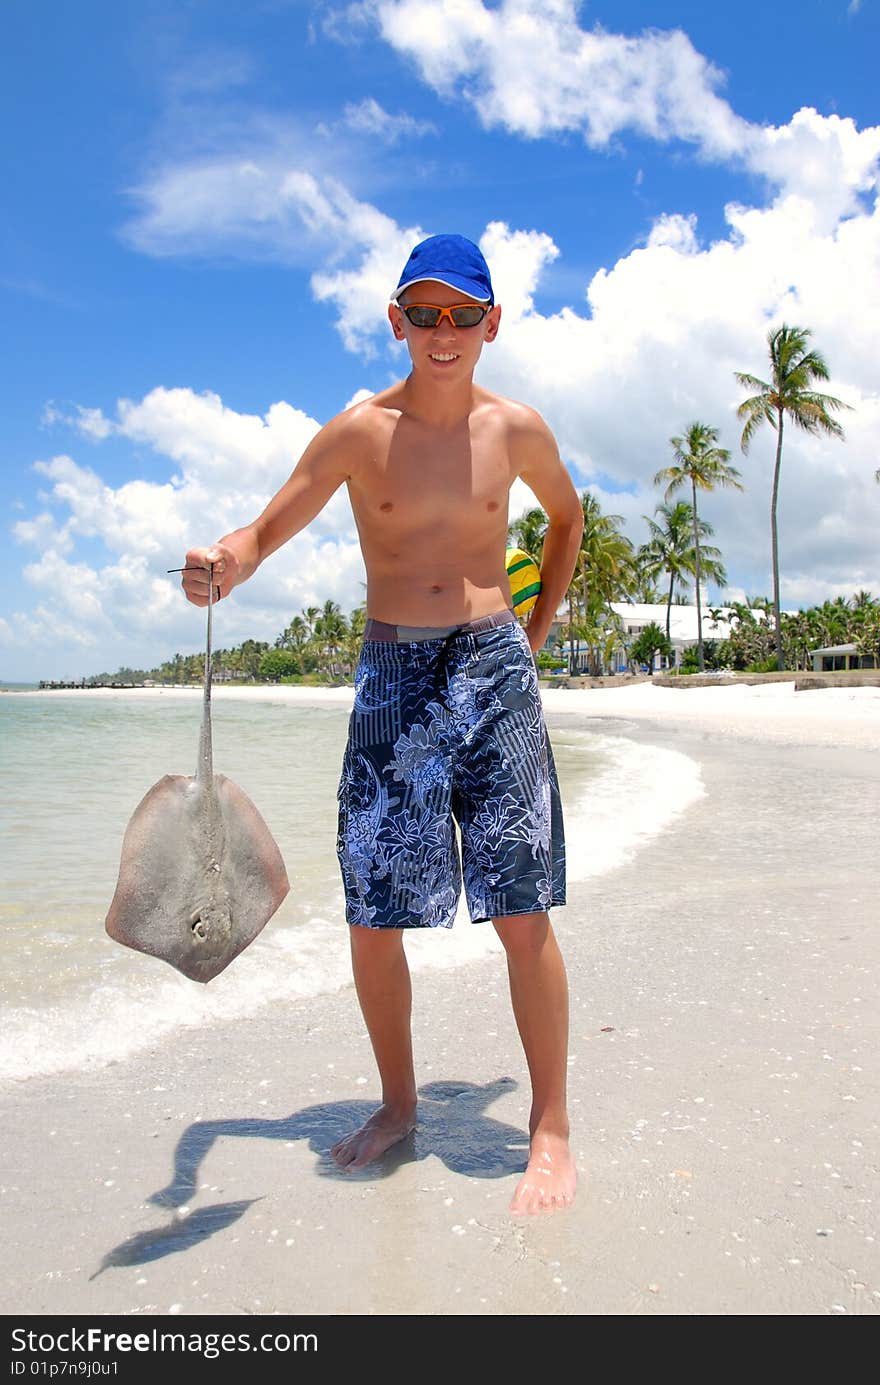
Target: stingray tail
(205,768)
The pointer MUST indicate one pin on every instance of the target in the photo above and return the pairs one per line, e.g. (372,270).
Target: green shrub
(762,666)
(276,664)
(545,660)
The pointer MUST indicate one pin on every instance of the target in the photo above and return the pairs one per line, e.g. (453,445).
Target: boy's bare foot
(386,1127)
(550,1177)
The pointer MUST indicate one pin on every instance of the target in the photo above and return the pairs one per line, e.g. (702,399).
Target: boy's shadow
(451,1125)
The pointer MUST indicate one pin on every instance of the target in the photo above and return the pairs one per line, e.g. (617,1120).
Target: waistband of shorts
(411,634)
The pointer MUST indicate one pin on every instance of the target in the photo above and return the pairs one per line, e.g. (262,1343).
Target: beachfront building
(634,617)
(841,656)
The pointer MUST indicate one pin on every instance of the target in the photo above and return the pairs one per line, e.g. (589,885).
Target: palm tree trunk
(774,537)
(697,580)
(669,603)
(571,668)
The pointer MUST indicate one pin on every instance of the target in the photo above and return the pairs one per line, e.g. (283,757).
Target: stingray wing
(200,875)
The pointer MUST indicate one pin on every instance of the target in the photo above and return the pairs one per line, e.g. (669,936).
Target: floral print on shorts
(444,731)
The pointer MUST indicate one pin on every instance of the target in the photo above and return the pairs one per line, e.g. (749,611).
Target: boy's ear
(493,322)
(395,317)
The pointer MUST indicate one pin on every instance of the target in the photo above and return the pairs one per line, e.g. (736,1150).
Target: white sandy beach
(723,1080)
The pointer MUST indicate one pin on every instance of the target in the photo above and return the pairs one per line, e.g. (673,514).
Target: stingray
(201,873)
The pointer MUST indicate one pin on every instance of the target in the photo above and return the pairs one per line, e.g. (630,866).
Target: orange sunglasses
(429,315)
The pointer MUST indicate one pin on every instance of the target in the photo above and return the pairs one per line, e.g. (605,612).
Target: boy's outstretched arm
(319,473)
(537,461)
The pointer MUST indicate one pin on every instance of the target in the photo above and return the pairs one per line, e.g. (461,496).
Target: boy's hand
(195,581)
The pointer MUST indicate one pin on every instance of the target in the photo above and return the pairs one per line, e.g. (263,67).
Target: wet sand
(723,1089)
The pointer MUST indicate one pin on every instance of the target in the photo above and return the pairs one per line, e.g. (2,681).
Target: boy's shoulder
(365,415)
(522,423)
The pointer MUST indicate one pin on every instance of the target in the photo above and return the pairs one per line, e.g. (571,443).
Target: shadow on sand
(452,1126)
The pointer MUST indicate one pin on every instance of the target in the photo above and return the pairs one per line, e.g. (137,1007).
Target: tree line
(320,644)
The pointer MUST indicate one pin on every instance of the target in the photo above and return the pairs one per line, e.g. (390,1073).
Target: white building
(634,616)
(840,656)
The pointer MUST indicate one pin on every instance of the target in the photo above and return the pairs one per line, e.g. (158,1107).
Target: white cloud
(124,608)
(358,398)
(91,423)
(265,208)
(653,346)
(263,205)
(362,290)
(42,532)
(824,160)
(668,325)
(528,67)
(369,118)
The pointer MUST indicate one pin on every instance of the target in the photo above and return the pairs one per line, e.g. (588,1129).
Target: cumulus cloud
(650,345)
(528,66)
(361,289)
(263,207)
(667,326)
(119,605)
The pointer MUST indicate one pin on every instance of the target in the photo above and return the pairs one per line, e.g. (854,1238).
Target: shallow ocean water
(75,767)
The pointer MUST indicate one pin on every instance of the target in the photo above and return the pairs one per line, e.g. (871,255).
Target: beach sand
(723,1086)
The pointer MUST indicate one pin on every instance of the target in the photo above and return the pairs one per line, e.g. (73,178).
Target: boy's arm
(537,461)
(325,464)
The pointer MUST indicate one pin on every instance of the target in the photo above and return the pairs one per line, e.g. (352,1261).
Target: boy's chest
(417,474)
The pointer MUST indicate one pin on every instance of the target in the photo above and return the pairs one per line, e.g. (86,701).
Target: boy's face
(443,351)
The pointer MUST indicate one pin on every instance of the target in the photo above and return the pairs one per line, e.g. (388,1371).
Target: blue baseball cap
(451,260)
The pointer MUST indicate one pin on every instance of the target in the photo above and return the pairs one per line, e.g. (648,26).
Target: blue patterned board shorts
(448,725)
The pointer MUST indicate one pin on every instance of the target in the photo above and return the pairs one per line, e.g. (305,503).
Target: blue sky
(207,203)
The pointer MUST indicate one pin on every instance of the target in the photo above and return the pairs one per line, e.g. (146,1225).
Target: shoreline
(723,1090)
(772,712)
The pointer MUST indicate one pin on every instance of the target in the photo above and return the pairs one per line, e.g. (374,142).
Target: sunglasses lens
(462,315)
(422,316)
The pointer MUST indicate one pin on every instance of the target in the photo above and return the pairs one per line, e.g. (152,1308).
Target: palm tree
(605,570)
(529,531)
(793,370)
(331,629)
(295,636)
(643,586)
(670,549)
(701,462)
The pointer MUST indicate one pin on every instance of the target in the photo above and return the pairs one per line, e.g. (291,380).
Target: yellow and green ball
(524,576)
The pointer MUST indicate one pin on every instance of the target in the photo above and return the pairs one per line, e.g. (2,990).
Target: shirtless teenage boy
(447,717)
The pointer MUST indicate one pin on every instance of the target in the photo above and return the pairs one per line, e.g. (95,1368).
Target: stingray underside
(200,875)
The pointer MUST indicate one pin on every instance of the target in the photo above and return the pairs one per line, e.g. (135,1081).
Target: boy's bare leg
(381,976)
(539,992)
